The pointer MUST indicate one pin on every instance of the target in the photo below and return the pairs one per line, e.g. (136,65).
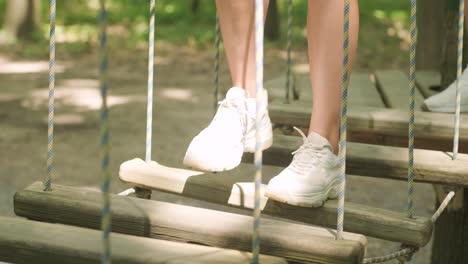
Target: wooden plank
(433,130)
(276,88)
(301,243)
(237,190)
(428,82)
(362,92)
(382,161)
(24,241)
(393,86)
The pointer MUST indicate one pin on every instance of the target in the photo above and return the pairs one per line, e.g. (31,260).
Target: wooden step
(394,88)
(301,243)
(23,241)
(382,126)
(381,161)
(277,88)
(236,189)
(362,91)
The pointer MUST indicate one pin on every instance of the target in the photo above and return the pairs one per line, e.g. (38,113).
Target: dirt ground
(183,107)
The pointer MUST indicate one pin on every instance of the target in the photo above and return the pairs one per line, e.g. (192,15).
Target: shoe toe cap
(211,156)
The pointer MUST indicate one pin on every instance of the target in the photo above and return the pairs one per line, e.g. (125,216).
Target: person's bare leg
(325,39)
(236,19)
(232,131)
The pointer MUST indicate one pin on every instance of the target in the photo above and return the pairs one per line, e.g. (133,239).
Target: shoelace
(306,156)
(234,104)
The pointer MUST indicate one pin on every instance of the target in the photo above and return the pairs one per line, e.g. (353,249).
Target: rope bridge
(404,254)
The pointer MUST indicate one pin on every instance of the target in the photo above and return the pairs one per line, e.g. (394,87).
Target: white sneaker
(220,146)
(311,178)
(445,101)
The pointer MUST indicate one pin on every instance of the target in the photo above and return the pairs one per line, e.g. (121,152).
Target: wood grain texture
(393,87)
(235,189)
(363,92)
(433,130)
(24,241)
(382,161)
(68,205)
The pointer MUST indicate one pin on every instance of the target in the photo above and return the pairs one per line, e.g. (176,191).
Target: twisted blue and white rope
(461,23)
(149,110)
(106,215)
(343,122)
(216,64)
(288,51)
(412,91)
(260,108)
(51,108)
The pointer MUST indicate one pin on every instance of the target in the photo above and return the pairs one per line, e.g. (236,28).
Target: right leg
(231,133)
(236,19)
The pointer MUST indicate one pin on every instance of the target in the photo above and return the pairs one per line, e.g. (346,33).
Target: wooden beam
(430,35)
(24,241)
(393,86)
(235,189)
(300,243)
(384,125)
(382,161)
(451,229)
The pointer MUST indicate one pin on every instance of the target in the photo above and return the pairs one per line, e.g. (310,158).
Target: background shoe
(445,101)
(311,178)
(266,127)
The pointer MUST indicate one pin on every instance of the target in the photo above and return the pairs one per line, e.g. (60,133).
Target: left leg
(313,175)
(325,39)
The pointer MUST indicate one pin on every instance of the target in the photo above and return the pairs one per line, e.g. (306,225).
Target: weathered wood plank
(68,205)
(393,86)
(277,91)
(363,92)
(383,162)
(237,190)
(428,82)
(23,241)
(433,130)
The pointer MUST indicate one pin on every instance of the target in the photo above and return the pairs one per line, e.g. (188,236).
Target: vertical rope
(461,17)
(288,50)
(149,110)
(259,111)
(412,90)
(106,216)
(50,123)
(344,122)
(216,64)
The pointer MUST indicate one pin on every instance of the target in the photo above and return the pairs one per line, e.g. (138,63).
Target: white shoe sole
(191,161)
(315,200)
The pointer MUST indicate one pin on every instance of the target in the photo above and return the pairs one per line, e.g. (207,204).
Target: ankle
(332,137)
